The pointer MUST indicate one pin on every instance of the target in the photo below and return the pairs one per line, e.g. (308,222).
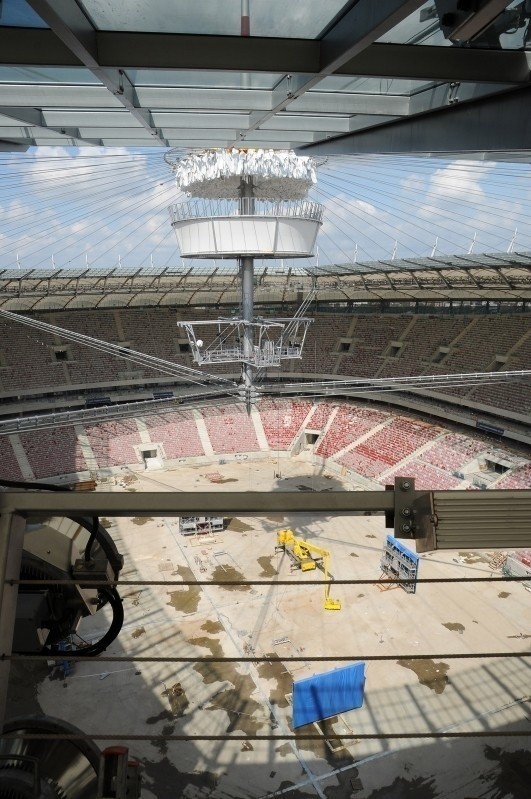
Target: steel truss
(274,340)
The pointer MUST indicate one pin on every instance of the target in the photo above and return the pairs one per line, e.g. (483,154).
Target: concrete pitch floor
(435,694)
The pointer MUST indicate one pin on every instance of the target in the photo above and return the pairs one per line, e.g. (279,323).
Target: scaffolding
(399,563)
(518,564)
(201,525)
(274,340)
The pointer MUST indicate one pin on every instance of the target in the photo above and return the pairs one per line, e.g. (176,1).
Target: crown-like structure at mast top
(245,203)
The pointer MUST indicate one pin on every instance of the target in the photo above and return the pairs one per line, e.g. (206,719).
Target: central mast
(246,263)
(248,204)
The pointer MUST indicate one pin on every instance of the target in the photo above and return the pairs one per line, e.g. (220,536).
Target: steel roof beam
(500,273)
(453,94)
(34,118)
(418,62)
(207,52)
(76,32)
(167,98)
(66,19)
(175,51)
(483,124)
(305,121)
(362,24)
(35,47)
(7,146)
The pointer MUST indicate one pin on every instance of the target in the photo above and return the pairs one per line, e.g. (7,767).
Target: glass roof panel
(303,19)
(30,75)
(345,83)
(308,121)
(509,30)
(221,80)
(18,14)
(207,120)
(420,27)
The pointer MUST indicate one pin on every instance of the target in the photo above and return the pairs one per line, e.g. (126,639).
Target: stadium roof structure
(328,76)
(500,278)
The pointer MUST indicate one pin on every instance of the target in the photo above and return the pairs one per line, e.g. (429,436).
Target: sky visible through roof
(108,207)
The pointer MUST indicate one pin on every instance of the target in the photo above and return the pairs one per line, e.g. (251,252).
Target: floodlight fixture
(464,20)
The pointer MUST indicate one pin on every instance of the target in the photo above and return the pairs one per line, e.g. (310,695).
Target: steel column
(12,528)
(247,275)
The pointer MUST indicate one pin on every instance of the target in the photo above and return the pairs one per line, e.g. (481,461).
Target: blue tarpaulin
(324,695)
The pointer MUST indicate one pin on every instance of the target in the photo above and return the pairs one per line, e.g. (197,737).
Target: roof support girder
(34,47)
(76,32)
(493,519)
(363,23)
(166,98)
(66,19)
(175,51)
(7,146)
(26,116)
(502,122)
(452,94)
(418,62)
(35,119)
(226,53)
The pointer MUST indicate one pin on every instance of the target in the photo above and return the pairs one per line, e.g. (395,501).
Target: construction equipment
(42,757)
(306,557)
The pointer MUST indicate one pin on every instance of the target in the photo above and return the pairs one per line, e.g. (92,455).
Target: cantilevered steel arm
(433,519)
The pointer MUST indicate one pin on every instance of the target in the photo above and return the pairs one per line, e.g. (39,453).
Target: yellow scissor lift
(306,557)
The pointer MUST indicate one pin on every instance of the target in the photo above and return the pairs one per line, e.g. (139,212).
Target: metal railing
(247,206)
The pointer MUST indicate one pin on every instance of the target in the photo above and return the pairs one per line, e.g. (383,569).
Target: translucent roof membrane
(303,19)
(421,27)
(348,84)
(32,75)
(220,80)
(511,262)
